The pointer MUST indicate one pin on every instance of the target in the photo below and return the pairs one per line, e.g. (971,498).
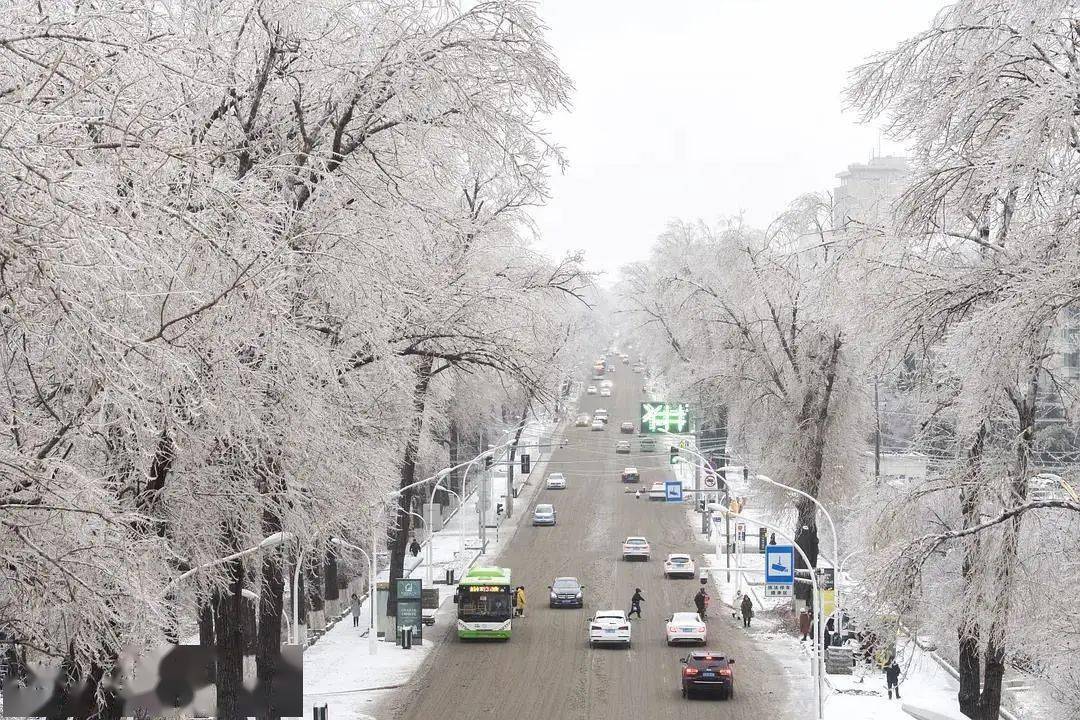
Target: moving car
(556,481)
(591,390)
(631,475)
(582,421)
(597,376)
(704,671)
(679,565)
(627,427)
(639,369)
(636,547)
(685,627)
(601,413)
(657,491)
(566,592)
(598,424)
(609,626)
(605,392)
(647,444)
(544,514)
(623,447)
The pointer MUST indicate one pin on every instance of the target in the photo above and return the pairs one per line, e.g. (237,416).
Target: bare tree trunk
(399,532)
(268,651)
(230,650)
(970,662)
(330,576)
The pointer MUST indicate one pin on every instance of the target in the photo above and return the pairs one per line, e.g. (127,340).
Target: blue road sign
(780,564)
(673,490)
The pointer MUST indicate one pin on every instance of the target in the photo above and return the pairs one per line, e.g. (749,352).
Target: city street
(547,669)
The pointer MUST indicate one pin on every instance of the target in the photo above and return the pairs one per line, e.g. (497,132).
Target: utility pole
(877,434)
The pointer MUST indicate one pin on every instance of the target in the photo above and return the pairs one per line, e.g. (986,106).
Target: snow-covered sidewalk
(339,670)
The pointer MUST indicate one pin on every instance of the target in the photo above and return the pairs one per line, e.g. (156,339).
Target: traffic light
(524,464)
(498,508)
(674,454)
(487,461)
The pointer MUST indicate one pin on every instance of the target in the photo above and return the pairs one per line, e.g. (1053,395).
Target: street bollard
(318,713)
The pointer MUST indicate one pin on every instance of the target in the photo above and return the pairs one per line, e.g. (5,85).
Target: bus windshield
(487,605)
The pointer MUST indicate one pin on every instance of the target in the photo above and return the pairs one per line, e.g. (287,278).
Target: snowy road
(547,670)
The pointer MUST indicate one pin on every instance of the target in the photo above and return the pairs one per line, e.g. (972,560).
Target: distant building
(867,194)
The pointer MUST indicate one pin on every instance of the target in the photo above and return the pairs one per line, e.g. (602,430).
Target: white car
(556,481)
(601,414)
(685,627)
(582,421)
(544,514)
(679,565)
(609,626)
(623,447)
(657,491)
(605,392)
(636,547)
(591,390)
(598,424)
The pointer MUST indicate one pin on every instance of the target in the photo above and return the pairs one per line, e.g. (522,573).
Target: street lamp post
(374,526)
(819,637)
(461,535)
(835,537)
(372,632)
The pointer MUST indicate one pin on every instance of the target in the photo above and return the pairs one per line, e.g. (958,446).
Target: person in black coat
(635,603)
(746,607)
(414,547)
(699,602)
(892,679)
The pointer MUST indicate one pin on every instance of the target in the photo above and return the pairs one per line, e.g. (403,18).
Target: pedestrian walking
(772,538)
(414,547)
(699,602)
(747,609)
(519,601)
(830,629)
(635,603)
(354,605)
(804,623)
(892,679)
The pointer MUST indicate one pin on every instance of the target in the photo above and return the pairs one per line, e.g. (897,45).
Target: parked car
(685,627)
(609,627)
(598,424)
(631,475)
(544,514)
(657,491)
(591,390)
(704,671)
(627,427)
(566,592)
(582,421)
(679,565)
(622,447)
(556,481)
(647,444)
(636,547)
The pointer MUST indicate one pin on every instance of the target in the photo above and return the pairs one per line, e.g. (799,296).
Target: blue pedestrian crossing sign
(673,490)
(780,564)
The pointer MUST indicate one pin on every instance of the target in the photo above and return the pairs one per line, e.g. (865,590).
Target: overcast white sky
(703,108)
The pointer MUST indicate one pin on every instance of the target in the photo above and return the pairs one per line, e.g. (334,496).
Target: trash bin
(450,576)
(405,637)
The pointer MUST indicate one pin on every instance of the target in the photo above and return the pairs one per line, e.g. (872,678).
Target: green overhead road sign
(659,417)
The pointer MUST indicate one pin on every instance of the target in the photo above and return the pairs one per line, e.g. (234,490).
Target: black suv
(705,671)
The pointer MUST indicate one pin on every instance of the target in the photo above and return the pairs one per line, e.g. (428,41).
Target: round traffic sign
(710,481)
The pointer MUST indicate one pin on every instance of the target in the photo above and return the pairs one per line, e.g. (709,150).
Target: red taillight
(725,671)
(690,671)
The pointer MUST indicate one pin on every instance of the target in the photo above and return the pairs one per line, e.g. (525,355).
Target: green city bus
(485,604)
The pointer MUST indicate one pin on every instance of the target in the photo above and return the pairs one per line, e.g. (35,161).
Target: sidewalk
(339,671)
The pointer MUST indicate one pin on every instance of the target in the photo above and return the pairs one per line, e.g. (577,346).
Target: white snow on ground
(340,673)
